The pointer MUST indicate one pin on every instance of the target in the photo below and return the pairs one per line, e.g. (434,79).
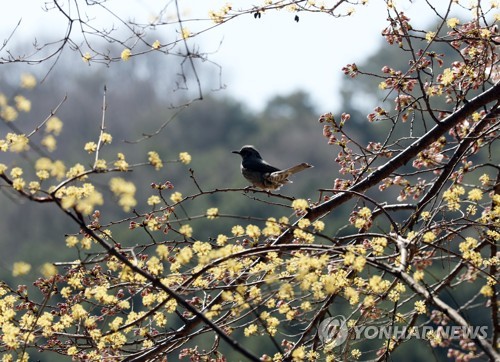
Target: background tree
(406,236)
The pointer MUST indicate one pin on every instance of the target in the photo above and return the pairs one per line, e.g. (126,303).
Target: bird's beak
(237,152)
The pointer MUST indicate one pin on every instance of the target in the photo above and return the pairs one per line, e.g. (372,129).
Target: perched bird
(263,175)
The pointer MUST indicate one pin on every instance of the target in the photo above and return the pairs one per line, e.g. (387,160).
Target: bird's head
(248,151)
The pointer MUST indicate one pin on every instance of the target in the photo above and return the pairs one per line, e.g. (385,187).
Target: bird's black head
(248,151)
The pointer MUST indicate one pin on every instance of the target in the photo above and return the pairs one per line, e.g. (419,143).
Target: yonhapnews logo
(334,329)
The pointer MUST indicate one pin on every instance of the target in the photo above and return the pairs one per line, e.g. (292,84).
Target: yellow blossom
(34,186)
(185,158)
(452,22)
(425,215)
(485,179)
(100,164)
(20,268)
(8,113)
(250,330)
(22,104)
(331,283)
(45,320)
(272,227)
(160,319)
(71,241)
(378,244)
(349,258)
(106,138)
(154,265)
(304,223)
(495,235)
(10,335)
(447,77)
(452,197)
(184,255)
(125,190)
(125,55)
(155,160)
(4,146)
(394,295)
(153,200)
(304,236)
(77,170)
(156,44)
(185,33)
(487,291)
(238,230)
(90,147)
(356,353)
(121,164)
(418,275)
(186,230)
(221,240)
(71,351)
(284,220)
(78,312)
(299,354)
(27,321)
(84,198)
(49,142)
(48,270)
(28,81)
(16,172)
(363,218)
(420,307)
(475,195)
(429,237)
(17,142)
(116,323)
(365,213)
(212,213)
(253,231)
(18,184)
(430,35)
(42,174)
(3,168)
(162,251)
(176,197)
(86,243)
(369,301)
(53,125)
(476,116)
(485,33)
(352,295)
(318,225)
(300,205)
(306,306)
(86,57)
(359,263)
(201,248)
(377,284)
(467,248)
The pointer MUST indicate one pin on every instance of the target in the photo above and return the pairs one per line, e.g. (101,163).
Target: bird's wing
(282,176)
(259,166)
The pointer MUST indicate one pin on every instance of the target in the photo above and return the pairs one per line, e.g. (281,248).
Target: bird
(261,174)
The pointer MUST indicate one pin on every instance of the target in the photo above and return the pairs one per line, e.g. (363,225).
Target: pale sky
(260,58)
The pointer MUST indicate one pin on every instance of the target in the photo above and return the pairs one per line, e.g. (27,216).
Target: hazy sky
(259,57)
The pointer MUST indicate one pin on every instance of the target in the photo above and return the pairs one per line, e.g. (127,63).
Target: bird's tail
(283,175)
